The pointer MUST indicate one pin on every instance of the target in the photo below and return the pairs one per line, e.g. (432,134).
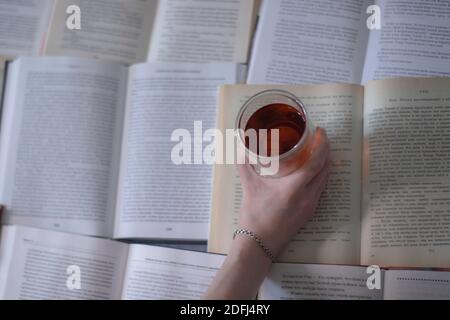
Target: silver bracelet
(257,239)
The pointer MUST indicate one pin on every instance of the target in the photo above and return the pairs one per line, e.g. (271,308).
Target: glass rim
(286,94)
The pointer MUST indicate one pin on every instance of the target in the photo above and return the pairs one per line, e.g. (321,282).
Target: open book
(322,41)
(86,146)
(34,264)
(131,31)
(387,201)
(331,282)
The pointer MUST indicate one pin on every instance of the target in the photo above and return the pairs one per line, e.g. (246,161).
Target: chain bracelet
(257,239)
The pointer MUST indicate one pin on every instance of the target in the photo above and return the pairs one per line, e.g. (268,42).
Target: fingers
(319,154)
(318,184)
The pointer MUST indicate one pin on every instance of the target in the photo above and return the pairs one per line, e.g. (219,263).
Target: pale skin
(275,209)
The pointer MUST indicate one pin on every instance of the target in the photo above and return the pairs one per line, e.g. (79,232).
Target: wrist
(246,250)
(267,232)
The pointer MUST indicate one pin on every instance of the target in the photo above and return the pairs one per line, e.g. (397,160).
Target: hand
(277,208)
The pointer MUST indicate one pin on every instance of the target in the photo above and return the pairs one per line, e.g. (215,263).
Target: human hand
(277,208)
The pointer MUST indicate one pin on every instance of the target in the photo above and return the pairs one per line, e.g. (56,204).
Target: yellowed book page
(115,30)
(333,235)
(2,76)
(406,173)
(202,31)
(3,60)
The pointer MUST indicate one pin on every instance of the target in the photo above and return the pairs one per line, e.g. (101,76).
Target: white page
(313,282)
(202,31)
(163,273)
(414,41)
(117,30)
(416,285)
(23,25)
(7,235)
(37,268)
(60,143)
(156,198)
(308,42)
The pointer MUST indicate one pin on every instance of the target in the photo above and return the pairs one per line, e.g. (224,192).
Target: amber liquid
(288,120)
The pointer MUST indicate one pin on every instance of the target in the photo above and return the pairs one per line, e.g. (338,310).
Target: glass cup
(289,157)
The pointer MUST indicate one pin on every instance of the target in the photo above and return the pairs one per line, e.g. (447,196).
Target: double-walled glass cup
(283,163)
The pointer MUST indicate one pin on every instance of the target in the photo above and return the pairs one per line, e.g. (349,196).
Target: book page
(332,236)
(202,31)
(317,282)
(163,273)
(406,173)
(60,143)
(416,285)
(23,25)
(414,40)
(158,198)
(308,42)
(7,236)
(39,261)
(117,30)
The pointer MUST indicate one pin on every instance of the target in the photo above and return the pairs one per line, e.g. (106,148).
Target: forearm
(242,273)
(275,210)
